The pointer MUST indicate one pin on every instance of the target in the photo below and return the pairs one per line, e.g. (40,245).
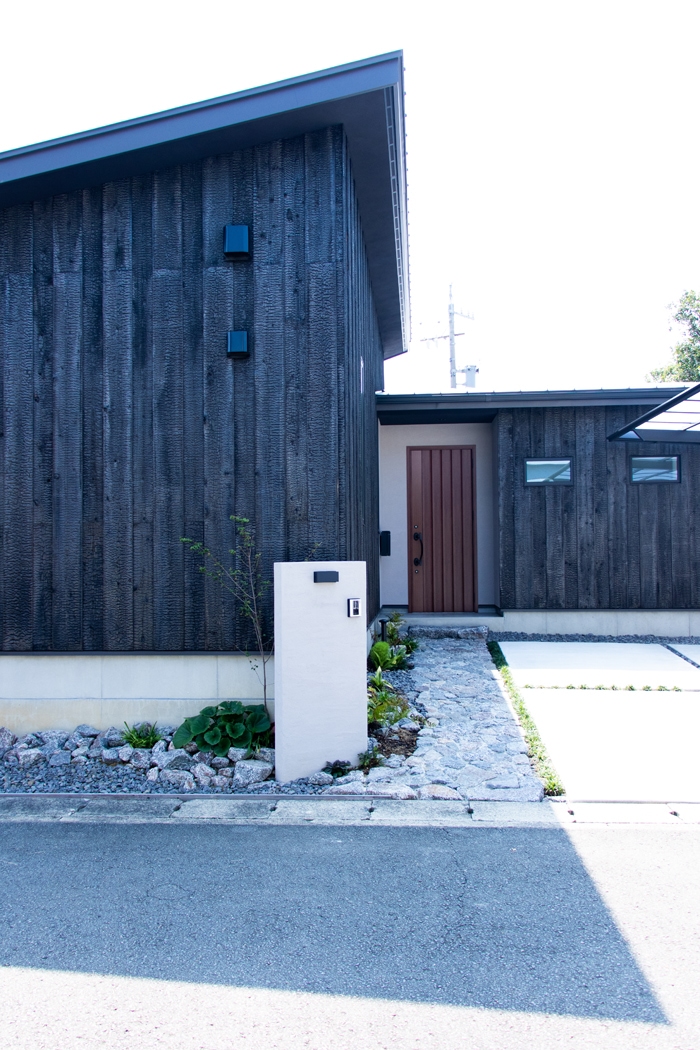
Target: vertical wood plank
(193,369)
(42,465)
(168,435)
(144,437)
(118,417)
(67,423)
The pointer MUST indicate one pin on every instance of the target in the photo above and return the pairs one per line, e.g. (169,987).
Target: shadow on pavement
(501,918)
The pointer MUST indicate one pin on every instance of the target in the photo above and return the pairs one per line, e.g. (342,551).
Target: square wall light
(236,243)
(237,344)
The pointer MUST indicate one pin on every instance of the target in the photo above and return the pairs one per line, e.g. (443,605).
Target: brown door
(441,529)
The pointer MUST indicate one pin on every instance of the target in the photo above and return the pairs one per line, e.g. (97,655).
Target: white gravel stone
(237,754)
(354,788)
(180,779)
(153,774)
(320,779)
(28,756)
(125,753)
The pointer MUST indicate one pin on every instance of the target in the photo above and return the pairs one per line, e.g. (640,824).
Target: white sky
(552,151)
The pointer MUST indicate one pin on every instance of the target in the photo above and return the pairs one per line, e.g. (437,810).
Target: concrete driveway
(615,745)
(223,936)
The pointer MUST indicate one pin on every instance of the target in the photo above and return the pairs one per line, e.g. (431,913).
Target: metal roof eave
(366,97)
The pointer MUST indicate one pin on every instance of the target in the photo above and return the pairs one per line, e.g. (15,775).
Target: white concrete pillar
(320,666)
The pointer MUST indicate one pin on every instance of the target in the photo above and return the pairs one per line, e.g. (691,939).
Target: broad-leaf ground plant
(230,724)
(244,580)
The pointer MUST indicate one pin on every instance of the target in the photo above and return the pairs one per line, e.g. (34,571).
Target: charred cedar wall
(124,424)
(601,543)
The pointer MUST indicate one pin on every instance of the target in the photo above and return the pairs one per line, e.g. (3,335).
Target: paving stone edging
(176,810)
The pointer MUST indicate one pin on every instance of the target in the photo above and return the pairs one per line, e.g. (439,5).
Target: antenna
(470,370)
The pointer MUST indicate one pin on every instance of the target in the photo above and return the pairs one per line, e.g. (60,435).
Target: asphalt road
(343,936)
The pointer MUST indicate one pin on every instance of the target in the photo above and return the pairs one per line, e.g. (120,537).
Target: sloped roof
(677,419)
(367,97)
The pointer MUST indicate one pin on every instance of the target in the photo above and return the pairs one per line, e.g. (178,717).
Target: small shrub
(143,735)
(384,657)
(337,768)
(231,724)
(370,759)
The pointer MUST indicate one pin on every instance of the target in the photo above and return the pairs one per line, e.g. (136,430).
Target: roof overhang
(366,97)
(397,409)
(676,419)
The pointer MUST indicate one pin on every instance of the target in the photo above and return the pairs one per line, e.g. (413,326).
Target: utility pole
(470,370)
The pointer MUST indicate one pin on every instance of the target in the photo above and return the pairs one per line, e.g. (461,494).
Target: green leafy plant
(337,768)
(231,724)
(144,735)
(370,759)
(384,657)
(393,634)
(536,749)
(244,580)
(384,705)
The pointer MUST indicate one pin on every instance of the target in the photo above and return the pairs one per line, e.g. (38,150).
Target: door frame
(409,527)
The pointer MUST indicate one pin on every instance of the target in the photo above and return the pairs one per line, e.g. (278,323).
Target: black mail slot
(326,576)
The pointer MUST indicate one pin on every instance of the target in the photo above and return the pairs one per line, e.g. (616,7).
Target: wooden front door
(441,529)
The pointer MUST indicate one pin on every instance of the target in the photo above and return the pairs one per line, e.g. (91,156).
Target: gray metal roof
(482,407)
(677,419)
(366,97)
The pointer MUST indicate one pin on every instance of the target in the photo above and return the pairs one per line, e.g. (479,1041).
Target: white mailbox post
(320,665)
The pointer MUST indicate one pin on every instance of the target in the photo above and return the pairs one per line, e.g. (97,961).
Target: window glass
(547,471)
(655,468)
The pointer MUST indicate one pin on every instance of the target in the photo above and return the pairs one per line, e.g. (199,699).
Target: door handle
(419,539)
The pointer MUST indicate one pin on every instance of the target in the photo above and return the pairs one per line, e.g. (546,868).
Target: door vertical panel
(441,507)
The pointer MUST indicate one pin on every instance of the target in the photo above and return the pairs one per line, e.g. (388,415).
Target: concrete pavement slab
(320,811)
(224,809)
(434,813)
(523,813)
(619,813)
(620,746)
(598,663)
(37,808)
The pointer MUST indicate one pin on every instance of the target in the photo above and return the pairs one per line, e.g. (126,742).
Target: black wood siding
(601,543)
(124,424)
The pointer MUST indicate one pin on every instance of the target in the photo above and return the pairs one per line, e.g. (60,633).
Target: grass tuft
(536,749)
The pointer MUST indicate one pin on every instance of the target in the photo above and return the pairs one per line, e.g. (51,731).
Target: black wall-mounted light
(385,544)
(326,576)
(236,242)
(237,344)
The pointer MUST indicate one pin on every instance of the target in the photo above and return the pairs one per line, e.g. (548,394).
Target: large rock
(320,779)
(126,752)
(401,791)
(110,756)
(7,739)
(266,754)
(54,738)
(355,788)
(60,758)
(140,758)
(237,754)
(250,772)
(216,763)
(113,737)
(179,759)
(86,730)
(178,778)
(28,756)
(203,770)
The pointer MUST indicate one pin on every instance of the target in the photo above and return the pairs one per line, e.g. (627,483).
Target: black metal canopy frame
(677,419)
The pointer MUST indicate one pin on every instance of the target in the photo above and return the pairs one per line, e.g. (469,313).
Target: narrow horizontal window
(548,472)
(655,468)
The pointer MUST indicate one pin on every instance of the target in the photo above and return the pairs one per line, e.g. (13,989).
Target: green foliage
(337,768)
(385,657)
(370,759)
(384,705)
(685,366)
(393,634)
(244,580)
(536,749)
(231,724)
(144,735)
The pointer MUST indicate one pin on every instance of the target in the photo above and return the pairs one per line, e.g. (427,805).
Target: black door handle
(417,536)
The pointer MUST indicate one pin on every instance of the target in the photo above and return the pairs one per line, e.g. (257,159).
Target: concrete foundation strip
(304,809)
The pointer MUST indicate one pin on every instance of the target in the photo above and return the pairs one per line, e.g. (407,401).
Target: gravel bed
(459,741)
